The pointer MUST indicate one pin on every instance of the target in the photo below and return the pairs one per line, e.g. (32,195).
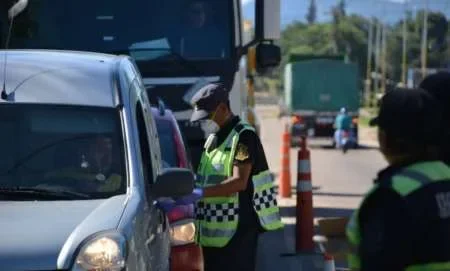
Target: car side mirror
(268,56)
(173,183)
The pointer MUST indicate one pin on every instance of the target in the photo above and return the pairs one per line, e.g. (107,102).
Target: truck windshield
(147,29)
(77,150)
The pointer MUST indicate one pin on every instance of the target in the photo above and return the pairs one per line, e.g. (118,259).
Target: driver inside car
(97,168)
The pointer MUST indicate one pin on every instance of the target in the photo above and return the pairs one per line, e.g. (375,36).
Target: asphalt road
(339,183)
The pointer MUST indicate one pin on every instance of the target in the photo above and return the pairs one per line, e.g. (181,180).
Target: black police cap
(206,100)
(411,114)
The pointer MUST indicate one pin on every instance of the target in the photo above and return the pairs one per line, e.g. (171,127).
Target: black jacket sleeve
(385,236)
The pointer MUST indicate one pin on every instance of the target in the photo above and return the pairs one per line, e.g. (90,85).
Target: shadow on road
(319,212)
(294,188)
(366,147)
(276,251)
(338,194)
(329,147)
(336,246)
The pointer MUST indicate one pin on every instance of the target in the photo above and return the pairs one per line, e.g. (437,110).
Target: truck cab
(174,43)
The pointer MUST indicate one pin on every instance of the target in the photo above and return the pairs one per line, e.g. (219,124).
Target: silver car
(80,166)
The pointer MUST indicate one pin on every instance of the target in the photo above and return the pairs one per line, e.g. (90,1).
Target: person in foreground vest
(235,197)
(403,222)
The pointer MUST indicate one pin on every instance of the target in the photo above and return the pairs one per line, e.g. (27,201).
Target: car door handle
(150,239)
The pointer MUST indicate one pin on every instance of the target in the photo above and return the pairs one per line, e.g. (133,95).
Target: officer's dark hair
(415,150)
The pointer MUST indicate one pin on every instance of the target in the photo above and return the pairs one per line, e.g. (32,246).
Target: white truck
(175,43)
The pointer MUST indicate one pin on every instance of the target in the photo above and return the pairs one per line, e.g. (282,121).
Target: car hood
(42,235)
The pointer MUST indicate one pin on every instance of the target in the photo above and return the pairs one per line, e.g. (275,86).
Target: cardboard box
(333,226)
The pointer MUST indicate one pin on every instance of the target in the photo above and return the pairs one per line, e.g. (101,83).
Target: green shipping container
(321,85)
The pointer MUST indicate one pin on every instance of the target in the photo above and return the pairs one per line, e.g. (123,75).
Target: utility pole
(369,62)
(424,41)
(377,56)
(404,49)
(383,58)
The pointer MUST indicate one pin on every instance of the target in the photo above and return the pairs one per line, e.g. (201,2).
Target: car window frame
(122,153)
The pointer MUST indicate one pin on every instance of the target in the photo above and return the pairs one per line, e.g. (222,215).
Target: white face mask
(209,126)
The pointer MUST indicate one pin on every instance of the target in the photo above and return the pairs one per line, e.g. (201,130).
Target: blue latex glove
(195,196)
(165,204)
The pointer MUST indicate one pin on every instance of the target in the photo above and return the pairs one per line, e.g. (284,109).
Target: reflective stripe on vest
(265,201)
(430,267)
(217,217)
(404,183)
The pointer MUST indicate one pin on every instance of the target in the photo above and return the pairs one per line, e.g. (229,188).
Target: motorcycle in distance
(348,140)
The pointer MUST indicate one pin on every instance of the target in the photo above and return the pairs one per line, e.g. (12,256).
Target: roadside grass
(364,121)
(366,114)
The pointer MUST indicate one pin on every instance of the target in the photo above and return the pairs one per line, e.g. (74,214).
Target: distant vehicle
(316,87)
(81,166)
(185,255)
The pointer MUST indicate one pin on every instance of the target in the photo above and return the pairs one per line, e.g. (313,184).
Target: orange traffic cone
(328,263)
(285,176)
(304,211)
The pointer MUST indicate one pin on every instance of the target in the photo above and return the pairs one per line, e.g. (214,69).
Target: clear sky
(387,10)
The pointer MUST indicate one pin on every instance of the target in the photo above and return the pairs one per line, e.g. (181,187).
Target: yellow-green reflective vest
(217,217)
(404,183)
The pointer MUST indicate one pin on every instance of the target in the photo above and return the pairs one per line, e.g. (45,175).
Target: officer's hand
(165,204)
(195,196)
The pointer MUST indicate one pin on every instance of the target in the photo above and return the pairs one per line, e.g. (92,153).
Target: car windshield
(146,29)
(167,142)
(63,148)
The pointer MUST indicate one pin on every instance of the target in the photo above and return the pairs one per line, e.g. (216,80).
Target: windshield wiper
(46,192)
(179,59)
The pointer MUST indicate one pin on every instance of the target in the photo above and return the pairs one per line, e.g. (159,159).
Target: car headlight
(106,252)
(182,232)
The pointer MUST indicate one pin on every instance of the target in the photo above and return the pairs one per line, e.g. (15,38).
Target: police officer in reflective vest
(403,222)
(235,196)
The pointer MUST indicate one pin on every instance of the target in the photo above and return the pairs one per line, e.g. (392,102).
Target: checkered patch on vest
(217,212)
(265,199)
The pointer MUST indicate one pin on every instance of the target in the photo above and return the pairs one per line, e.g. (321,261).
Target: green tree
(312,12)
(341,8)
(438,52)
(347,34)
